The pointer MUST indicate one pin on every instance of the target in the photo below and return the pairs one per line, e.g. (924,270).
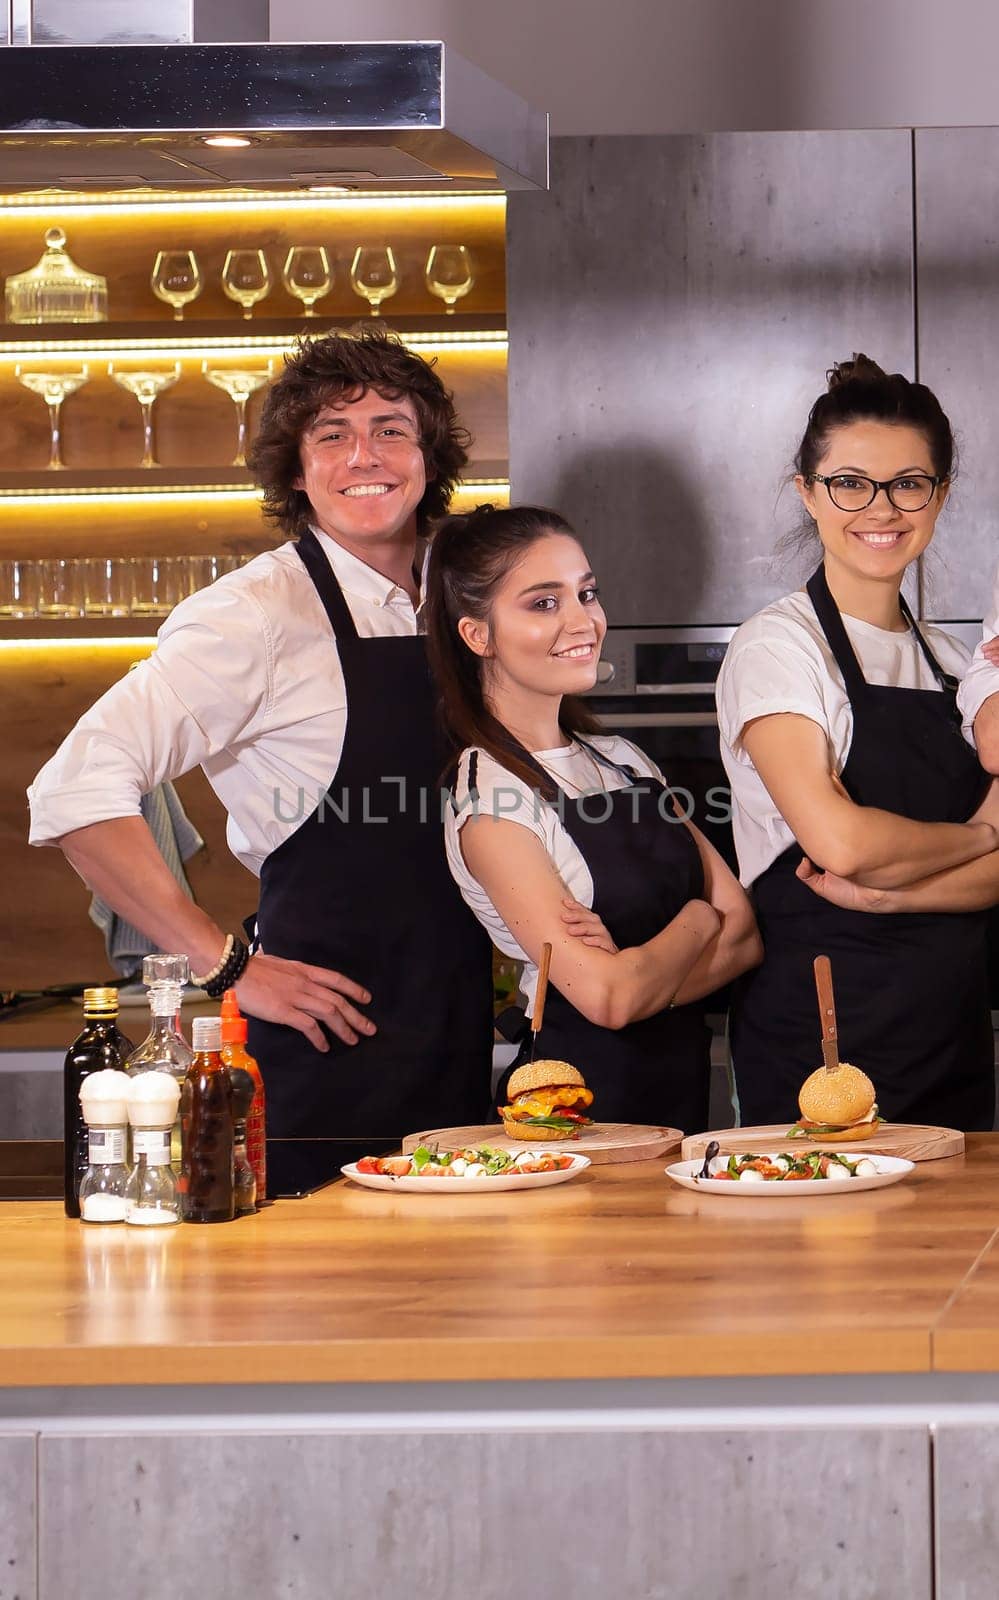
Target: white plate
(504,1180)
(890,1170)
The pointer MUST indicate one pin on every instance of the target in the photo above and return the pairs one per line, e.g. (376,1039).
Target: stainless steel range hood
(111,100)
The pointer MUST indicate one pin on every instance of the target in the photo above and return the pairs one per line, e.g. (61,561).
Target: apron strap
(832,626)
(330,593)
(946,680)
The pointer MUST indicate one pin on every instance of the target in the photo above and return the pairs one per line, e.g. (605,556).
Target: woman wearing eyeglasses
(865,826)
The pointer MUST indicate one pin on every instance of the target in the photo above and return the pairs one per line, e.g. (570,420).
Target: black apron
(911,990)
(363,887)
(645,867)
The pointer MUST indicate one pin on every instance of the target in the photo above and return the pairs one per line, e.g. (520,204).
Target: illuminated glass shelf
(79,631)
(178,482)
(231,335)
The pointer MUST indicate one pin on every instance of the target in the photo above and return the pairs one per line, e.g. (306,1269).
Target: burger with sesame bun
(547,1100)
(837,1103)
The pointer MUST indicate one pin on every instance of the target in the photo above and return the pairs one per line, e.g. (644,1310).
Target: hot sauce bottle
(100,1046)
(235,1054)
(207,1179)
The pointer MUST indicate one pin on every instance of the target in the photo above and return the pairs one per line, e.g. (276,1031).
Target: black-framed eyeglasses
(849,491)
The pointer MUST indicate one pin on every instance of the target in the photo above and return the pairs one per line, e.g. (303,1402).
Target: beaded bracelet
(200,983)
(232,970)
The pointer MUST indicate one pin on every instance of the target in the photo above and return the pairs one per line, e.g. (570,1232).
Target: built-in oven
(656,687)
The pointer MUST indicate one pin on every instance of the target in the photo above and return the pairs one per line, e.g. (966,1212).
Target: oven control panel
(661,661)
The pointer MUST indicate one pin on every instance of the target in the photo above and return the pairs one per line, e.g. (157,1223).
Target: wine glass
(246,278)
(53,388)
(306,274)
(448,274)
(176,279)
(146,385)
(373,276)
(238,384)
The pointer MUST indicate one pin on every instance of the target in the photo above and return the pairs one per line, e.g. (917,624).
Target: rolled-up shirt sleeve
(981,679)
(200,693)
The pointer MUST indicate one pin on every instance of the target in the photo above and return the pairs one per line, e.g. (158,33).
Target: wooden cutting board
(908,1139)
(603,1143)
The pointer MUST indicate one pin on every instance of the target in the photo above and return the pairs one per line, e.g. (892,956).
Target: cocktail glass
(307,275)
(53,388)
(374,276)
(176,279)
(246,278)
(448,274)
(238,384)
(146,385)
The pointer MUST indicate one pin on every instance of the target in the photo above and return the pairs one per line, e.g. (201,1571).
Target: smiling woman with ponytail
(864,824)
(559,834)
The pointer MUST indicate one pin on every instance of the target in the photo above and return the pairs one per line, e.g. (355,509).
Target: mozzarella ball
(866,1168)
(459,1166)
(750,1175)
(836,1173)
(475,1169)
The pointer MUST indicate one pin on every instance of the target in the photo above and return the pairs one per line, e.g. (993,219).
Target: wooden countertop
(616,1274)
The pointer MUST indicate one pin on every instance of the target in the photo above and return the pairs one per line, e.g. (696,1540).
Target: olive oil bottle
(101,1044)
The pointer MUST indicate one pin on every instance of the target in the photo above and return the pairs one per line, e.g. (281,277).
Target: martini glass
(373,275)
(53,387)
(448,274)
(238,384)
(146,385)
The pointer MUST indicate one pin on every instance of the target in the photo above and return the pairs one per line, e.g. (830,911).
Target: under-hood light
(227,141)
(219,350)
(175,201)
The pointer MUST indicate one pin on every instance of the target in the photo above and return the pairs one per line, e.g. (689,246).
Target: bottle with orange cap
(235,1054)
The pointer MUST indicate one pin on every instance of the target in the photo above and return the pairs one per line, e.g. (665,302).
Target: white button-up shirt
(245,682)
(981,679)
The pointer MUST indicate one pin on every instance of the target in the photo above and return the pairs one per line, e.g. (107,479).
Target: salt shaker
(104,1099)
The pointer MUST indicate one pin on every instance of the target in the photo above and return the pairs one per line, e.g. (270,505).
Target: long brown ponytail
(470,556)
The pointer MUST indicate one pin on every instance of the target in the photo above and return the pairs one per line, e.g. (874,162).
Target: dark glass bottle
(207,1175)
(243,1090)
(100,1045)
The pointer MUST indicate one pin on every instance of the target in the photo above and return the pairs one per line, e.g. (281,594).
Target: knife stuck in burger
(838,1100)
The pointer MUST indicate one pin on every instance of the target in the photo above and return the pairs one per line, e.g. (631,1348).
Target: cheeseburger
(837,1103)
(547,1100)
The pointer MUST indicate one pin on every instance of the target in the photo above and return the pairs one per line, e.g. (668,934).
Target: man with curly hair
(300,685)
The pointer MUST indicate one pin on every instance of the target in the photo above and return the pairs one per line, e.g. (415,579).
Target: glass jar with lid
(56,289)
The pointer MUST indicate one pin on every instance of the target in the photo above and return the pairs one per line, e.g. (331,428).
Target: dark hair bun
(860,370)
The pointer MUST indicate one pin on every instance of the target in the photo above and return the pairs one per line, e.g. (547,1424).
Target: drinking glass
(238,384)
(373,275)
(146,385)
(246,278)
(448,274)
(18,588)
(53,387)
(176,279)
(60,587)
(157,584)
(307,275)
(106,587)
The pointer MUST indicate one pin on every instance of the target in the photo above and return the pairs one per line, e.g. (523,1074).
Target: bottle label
(153,1143)
(107,1147)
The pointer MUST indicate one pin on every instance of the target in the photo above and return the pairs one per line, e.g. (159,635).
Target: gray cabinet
(642,1515)
(957,261)
(673,306)
(966,1473)
(17,1517)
